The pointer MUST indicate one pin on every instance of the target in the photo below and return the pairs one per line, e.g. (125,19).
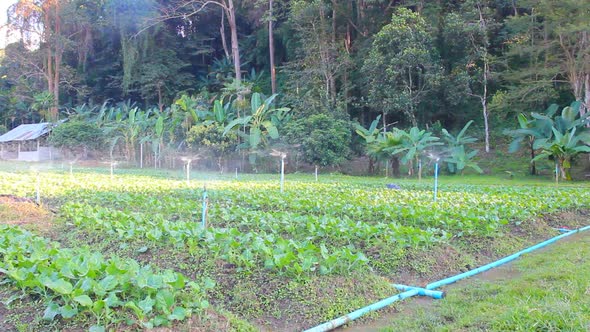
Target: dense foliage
(77,135)
(423,64)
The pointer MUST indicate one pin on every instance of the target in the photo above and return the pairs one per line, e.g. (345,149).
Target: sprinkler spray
(113,164)
(187,166)
(283,156)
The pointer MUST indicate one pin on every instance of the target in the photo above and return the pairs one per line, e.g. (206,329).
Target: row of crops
(80,281)
(312,229)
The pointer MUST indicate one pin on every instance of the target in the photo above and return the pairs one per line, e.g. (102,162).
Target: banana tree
(381,147)
(412,146)
(456,154)
(126,127)
(459,159)
(556,135)
(259,127)
(529,131)
(371,134)
(373,137)
(461,138)
(563,147)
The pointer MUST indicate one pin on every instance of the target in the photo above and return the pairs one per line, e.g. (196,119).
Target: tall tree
(41,22)
(271,48)
(555,37)
(187,8)
(479,23)
(402,66)
(318,62)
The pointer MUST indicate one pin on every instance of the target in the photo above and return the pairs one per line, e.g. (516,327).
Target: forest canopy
(427,64)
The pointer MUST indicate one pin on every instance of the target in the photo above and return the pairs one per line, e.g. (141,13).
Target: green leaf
(255,137)
(67,311)
(179,313)
(146,304)
(108,283)
(97,328)
(273,132)
(84,300)
(60,286)
(255,102)
(164,300)
(51,311)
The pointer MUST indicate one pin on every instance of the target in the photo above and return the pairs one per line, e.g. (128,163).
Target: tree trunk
(57,58)
(222,34)
(235,48)
(486,124)
(271,49)
(394,166)
(585,108)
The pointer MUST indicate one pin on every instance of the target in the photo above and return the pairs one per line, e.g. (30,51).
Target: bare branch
(175,12)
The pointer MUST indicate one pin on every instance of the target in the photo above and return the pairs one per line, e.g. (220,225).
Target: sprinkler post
(316,173)
(188,172)
(435,179)
(283,156)
(187,167)
(236,173)
(112,169)
(205,207)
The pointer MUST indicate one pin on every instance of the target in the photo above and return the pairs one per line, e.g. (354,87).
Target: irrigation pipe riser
(205,208)
(328,326)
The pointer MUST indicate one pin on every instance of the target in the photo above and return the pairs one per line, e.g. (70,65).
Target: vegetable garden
(129,251)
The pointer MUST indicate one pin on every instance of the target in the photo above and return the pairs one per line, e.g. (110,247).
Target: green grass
(547,291)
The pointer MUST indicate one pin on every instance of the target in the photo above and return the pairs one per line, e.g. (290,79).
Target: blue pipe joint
(422,291)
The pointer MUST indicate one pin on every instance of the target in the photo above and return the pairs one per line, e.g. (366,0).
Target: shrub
(323,140)
(77,136)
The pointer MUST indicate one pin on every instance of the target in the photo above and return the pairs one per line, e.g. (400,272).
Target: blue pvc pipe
(328,326)
(423,291)
(435,179)
(360,312)
(204,212)
(504,260)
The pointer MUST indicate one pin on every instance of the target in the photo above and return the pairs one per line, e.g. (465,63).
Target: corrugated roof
(26,132)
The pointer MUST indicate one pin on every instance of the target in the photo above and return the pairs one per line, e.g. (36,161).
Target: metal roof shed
(24,134)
